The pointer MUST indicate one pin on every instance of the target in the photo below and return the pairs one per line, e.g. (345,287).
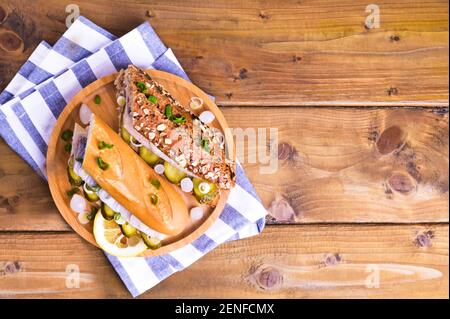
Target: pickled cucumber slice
(151,242)
(148,156)
(125,135)
(199,191)
(74,179)
(90,194)
(173,174)
(108,213)
(128,230)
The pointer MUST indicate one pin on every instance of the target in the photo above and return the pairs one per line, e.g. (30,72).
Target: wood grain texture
(330,168)
(276,52)
(284,262)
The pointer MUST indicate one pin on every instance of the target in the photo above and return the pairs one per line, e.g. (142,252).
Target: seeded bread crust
(177,141)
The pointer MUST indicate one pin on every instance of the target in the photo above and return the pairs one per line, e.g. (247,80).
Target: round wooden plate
(57,157)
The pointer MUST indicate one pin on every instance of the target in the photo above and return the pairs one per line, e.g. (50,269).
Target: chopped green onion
(179,120)
(154,199)
(155,182)
(117,216)
(73,191)
(102,164)
(168,111)
(152,99)
(97,99)
(102,144)
(67,135)
(205,145)
(175,119)
(141,86)
(68,147)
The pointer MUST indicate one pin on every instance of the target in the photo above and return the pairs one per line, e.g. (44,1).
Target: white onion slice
(196,213)
(196,103)
(121,101)
(135,142)
(83,218)
(187,185)
(207,117)
(159,169)
(78,204)
(85,114)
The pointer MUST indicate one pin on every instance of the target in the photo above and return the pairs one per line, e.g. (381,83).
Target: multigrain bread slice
(171,129)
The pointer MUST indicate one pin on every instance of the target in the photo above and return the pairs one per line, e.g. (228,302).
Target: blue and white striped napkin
(32,102)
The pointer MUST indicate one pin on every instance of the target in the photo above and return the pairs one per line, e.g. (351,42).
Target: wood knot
(229,95)
(401,183)
(395,38)
(296,58)
(281,210)
(285,151)
(263,15)
(149,14)
(392,91)
(268,278)
(242,74)
(424,239)
(10,42)
(393,138)
(199,57)
(10,267)
(8,203)
(332,259)
(2,15)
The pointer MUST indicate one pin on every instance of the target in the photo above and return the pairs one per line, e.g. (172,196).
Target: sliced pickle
(108,213)
(173,174)
(202,197)
(74,179)
(148,156)
(151,242)
(90,194)
(125,135)
(128,230)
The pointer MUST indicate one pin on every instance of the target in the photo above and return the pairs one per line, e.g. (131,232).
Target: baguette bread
(130,181)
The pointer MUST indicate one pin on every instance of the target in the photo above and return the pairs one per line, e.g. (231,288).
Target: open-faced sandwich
(161,130)
(141,184)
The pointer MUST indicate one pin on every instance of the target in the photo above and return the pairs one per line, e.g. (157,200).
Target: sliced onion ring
(85,114)
(187,185)
(78,204)
(196,213)
(207,117)
(135,142)
(196,103)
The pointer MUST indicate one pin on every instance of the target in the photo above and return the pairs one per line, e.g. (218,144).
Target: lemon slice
(110,238)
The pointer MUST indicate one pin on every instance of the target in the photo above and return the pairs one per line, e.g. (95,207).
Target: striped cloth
(32,102)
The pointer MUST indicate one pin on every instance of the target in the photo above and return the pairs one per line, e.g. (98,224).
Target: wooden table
(362,187)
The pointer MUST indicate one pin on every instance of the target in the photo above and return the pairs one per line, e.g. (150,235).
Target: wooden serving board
(57,156)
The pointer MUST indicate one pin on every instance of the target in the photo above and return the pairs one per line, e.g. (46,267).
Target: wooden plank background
(359,189)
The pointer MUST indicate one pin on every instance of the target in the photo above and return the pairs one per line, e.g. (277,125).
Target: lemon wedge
(110,238)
